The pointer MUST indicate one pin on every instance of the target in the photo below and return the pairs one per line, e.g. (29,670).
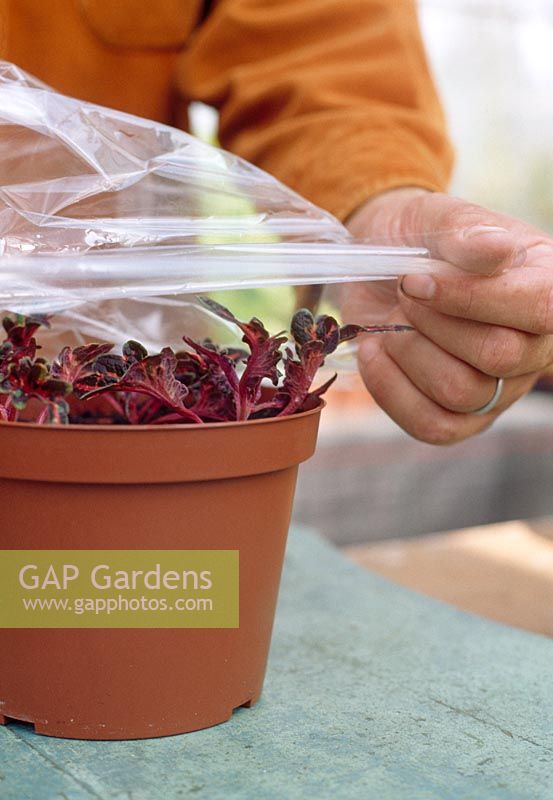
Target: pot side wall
(136,683)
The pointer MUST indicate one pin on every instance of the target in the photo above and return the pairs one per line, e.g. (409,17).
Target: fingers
(469,330)
(481,249)
(464,234)
(467,236)
(449,382)
(492,349)
(520,298)
(413,409)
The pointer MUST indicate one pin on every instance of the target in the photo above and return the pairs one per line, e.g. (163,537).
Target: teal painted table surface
(372,692)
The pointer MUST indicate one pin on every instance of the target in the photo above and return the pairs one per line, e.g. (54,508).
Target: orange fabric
(59,42)
(334,97)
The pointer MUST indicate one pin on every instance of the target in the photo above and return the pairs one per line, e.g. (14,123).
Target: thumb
(463,234)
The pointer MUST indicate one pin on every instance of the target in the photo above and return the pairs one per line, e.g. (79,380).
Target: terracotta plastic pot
(218,486)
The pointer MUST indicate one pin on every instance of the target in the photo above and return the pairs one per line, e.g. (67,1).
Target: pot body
(213,487)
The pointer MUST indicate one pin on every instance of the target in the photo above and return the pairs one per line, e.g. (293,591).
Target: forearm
(334,97)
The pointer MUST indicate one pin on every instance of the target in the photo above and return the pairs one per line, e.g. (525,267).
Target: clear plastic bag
(100,212)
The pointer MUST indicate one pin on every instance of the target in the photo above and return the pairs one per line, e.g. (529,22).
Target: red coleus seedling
(205,383)
(24,376)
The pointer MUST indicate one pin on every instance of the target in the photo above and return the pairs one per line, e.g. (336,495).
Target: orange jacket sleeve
(334,97)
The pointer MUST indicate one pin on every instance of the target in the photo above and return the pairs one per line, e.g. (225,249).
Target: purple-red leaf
(299,374)
(134,351)
(303,326)
(261,363)
(73,364)
(222,370)
(154,376)
(203,384)
(353,331)
(324,388)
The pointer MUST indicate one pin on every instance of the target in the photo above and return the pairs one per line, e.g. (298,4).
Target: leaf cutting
(91,384)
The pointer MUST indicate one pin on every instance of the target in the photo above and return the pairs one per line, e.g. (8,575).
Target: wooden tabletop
(372,692)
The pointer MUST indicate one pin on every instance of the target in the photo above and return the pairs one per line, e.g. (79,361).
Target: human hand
(487,316)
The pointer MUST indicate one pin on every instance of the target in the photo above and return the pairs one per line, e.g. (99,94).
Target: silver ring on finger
(491,404)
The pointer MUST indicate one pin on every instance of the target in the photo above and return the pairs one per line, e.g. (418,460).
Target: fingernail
(481,230)
(519,258)
(421,287)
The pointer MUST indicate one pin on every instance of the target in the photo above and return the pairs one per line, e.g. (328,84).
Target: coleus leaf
(75,364)
(261,363)
(27,379)
(134,351)
(299,374)
(34,379)
(203,384)
(315,338)
(20,340)
(353,331)
(191,368)
(323,388)
(213,403)
(23,376)
(108,368)
(221,369)
(306,328)
(19,343)
(154,376)
(20,332)
(210,378)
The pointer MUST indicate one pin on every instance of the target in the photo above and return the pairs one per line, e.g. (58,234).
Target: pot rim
(167,427)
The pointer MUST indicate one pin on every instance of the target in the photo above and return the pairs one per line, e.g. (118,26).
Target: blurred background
(493,63)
